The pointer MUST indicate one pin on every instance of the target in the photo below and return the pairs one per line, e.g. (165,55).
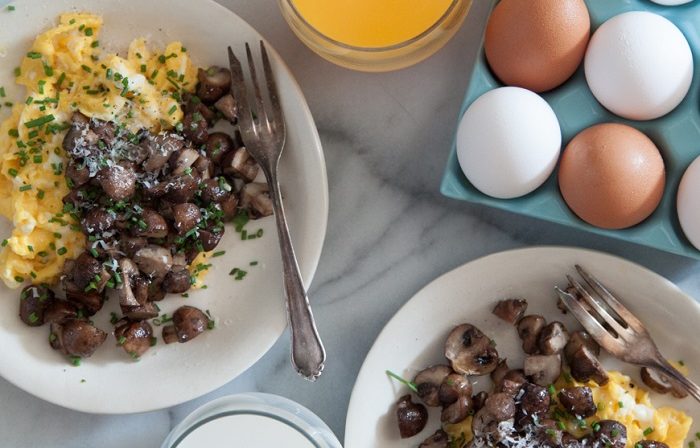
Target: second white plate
(415,336)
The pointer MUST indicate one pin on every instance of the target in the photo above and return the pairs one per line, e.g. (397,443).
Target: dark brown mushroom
(79,136)
(610,433)
(205,167)
(131,244)
(133,293)
(239,163)
(88,274)
(543,370)
(134,337)
(78,173)
(194,127)
(470,352)
(180,189)
(428,383)
(59,311)
(218,145)
(105,130)
(150,224)
(661,383)
(497,408)
(89,301)
(97,221)
(118,181)
(512,382)
(412,417)
(553,338)
(154,261)
(479,400)
(453,387)
(585,366)
(457,411)
(534,404)
(229,207)
(215,190)
(578,339)
(578,401)
(210,238)
(188,322)
(169,334)
(510,310)
(78,337)
(214,83)
(529,328)
(228,106)
(438,440)
(33,302)
(186,216)
(181,161)
(194,104)
(178,280)
(499,372)
(158,149)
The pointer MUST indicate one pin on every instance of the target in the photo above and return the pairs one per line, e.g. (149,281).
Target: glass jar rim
(392,47)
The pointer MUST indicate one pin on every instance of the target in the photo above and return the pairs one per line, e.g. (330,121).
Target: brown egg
(537,44)
(612,176)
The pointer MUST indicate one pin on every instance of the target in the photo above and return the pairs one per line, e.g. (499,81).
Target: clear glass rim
(396,46)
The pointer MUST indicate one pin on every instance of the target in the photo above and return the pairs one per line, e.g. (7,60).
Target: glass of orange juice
(375,35)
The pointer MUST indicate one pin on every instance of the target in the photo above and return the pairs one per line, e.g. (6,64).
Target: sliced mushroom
(610,433)
(655,380)
(105,130)
(78,173)
(552,338)
(229,207)
(512,382)
(205,167)
(577,340)
(215,190)
(154,261)
(89,301)
(585,366)
(479,400)
(131,244)
(218,145)
(134,337)
(510,310)
(33,302)
(78,337)
(178,280)
(214,83)
(228,107)
(158,150)
(151,225)
(438,440)
(188,323)
(180,189)
(497,408)
(181,161)
(59,311)
(499,372)
(534,404)
(79,136)
(186,216)
(457,411)
(412,417)
(210,238)
(578,401)
(118,181)
(542,369)
(169,334)
(453,387)
(127,298)
(88,274)
(239,163)
(428,383)
(529,328)
(470,352)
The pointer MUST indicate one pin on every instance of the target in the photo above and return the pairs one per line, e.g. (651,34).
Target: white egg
(671,2)
(508,142)
(639,65)
(688,203)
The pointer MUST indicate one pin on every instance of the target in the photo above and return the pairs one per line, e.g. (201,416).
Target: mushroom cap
(542,369)
(470,352)
(428,383)
(412,417)
(510,310)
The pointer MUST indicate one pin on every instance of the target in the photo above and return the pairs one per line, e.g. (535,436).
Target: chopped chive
(12,172)
(88,31)
(33,55)
(42,253)
(95,44)
(40,121)
(72,21)
(86,68)
(253,263)
(410,384)
(2,92)
(143,68)
(121,340)
(25,187)
(10,8)
(19,279)
(41,84)
(13,133)
(75,360)
(648,431)
(218,254)
(62,251)
(4,243)
(48,70)
(172,110)
(29,101)
(161,59)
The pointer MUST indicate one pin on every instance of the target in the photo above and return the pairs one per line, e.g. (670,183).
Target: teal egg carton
(677,135)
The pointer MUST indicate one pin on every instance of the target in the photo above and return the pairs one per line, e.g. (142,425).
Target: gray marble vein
(386,139)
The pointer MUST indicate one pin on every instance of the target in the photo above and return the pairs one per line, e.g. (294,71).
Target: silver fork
(263,133)
(625,337)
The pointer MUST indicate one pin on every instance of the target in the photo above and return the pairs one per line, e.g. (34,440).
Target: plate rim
(354,396)
(315,248)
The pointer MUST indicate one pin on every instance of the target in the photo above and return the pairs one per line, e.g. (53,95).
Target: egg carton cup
(677,135)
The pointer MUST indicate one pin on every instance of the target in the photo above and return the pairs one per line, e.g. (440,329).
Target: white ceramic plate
(250,314)
(415,336)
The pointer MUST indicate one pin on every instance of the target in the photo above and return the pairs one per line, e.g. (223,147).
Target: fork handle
(308,354)
(665,367)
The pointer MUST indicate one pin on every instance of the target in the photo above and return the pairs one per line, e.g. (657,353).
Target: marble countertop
(386,138)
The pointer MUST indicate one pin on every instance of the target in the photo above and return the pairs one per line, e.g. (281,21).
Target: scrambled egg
(63,72)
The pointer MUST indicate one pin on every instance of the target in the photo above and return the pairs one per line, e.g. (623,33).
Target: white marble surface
(386,139)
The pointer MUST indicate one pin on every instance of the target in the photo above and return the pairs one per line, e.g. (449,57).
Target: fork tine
(259,107)
(239,92)
(610,299)
(599,309)
(277,117)
(590,323)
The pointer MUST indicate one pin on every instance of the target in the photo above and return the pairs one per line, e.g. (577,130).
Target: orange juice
(371,23)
